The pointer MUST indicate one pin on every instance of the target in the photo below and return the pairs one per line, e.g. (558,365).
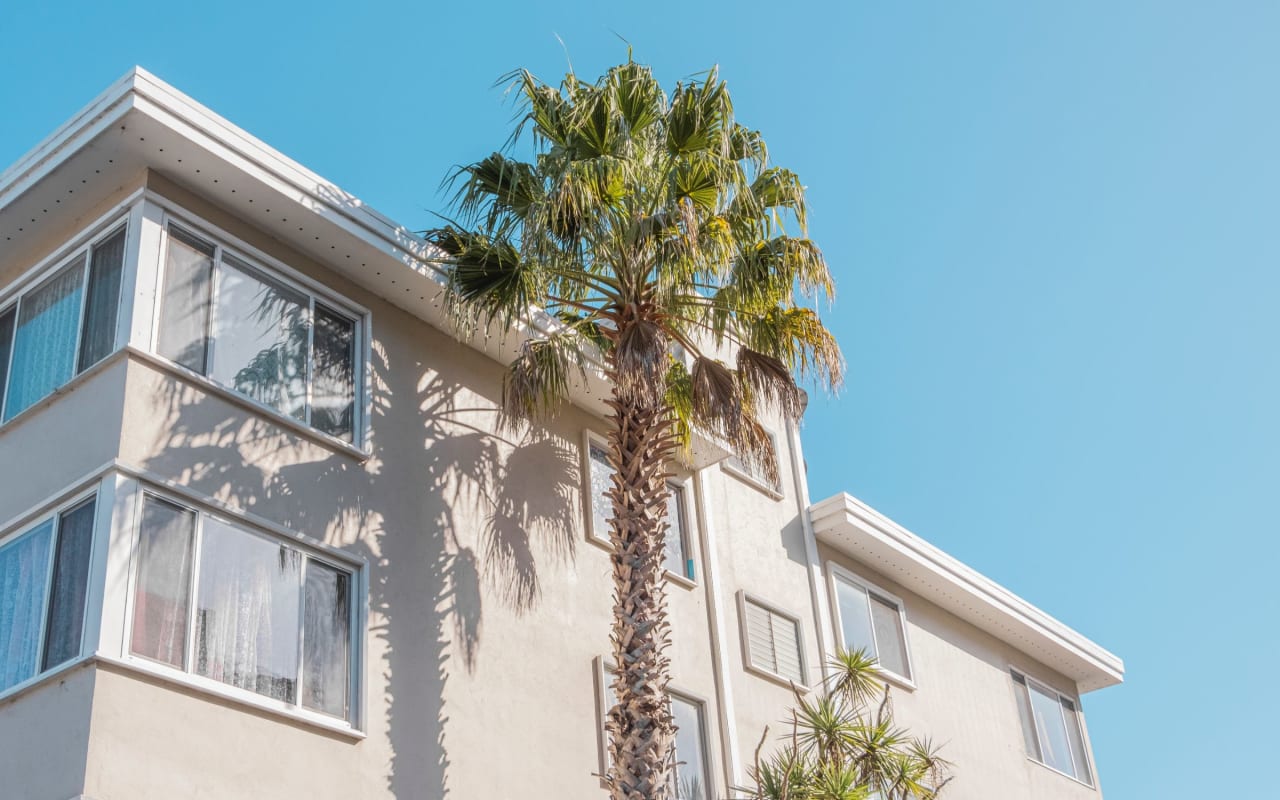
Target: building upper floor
(256,485)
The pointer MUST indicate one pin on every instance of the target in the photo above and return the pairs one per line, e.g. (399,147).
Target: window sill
(228,694)
(679,580)
(752,481)
(894,679)
(15,692)
(1057,771)
(213,387)
(66,388)
(774,677)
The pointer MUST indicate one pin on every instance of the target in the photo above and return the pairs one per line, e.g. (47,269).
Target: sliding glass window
(228,604)
(258,334)
(62,325)
(44,574)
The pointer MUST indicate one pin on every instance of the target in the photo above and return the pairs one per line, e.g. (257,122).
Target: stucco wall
(44,736)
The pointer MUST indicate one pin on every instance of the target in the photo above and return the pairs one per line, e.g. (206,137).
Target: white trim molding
(850,526)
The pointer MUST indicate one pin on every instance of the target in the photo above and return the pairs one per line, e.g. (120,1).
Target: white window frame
(1079,712)
(744,598)
(740,471)
(601,669)
(80,246)
(225,242)
(309,547)
(27,524)
(837,572)
(601,538)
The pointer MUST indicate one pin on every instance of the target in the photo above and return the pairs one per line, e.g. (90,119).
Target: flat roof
(847,524)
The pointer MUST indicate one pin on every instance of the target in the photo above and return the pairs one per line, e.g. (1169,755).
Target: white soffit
(142,123)
(854,528)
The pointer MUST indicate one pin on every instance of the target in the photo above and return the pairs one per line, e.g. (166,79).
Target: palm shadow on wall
(413,504)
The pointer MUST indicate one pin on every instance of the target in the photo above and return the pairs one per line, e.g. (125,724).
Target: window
(224,603)
(690,780)
(62,326)
(44,573)
(872,620)
(677,558)
(1051,728)
(269,340)
(773,640)
(754,473)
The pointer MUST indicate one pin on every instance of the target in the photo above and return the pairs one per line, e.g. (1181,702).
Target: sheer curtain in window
(325,637)
(247,613)
(24,580)
(70,584)
(162,593)
(98,337)
(44,347)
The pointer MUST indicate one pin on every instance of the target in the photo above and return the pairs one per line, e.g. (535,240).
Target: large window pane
(98,333)
(24,577)
(690,775)
(601,481)
(7,320)
(1028,721)
(44,348)
(855,617)
(326,639)
(184,310)
(70,582)
(163,588)
(247,614)
(676,558)
(1050,729)
(891,642)
(333,389)
(260,339)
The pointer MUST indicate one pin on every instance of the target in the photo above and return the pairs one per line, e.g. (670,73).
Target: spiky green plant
(654,228)
(843,744)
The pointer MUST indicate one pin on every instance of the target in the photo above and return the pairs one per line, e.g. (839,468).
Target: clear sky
(1055,230)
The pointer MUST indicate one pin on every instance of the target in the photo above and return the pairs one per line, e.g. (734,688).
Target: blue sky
(1055,235)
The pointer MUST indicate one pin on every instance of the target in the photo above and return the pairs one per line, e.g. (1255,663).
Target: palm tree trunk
(639,725)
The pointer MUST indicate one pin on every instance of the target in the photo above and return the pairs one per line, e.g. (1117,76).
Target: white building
(260,538)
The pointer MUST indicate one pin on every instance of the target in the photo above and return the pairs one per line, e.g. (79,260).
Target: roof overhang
(142,123)
(850,526)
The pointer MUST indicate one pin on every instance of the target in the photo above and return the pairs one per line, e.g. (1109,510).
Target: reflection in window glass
(676,556)
(98,337)
(601,481)
(162,594)
(689,779)
(333,392)
(1052,728)
(260,340)
(247,612)
(184,310)
(326,631)
(70,583)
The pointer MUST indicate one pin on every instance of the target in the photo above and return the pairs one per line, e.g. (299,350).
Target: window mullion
(86,262)
(193,604)
(13,345)
(48,594)
(215,282)
(871,624)
(311,357)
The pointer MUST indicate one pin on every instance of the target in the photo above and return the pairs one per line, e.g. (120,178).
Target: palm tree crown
(654,228)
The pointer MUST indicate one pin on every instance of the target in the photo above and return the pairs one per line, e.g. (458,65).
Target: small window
(690,780)
(677,554)
(62,326)
(754,473)
(871,620)
(1051,728)
(44,575)
(773,641)
(252,332)
(224,603)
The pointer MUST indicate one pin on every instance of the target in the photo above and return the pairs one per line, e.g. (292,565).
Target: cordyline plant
(844,745)
(673,255)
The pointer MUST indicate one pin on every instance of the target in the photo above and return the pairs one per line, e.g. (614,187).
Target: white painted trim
(821,611)
(843,519)
(743,598)
(837,572)
(144,280)
(726,718)
(1074,699)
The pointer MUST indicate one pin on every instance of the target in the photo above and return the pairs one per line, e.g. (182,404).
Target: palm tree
(673,255)
(844,745)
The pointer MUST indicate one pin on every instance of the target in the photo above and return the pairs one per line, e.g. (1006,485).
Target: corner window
(227,604)
(61,326)
(677,553)
(773,640)
(690,779)
(260,335)
(1051,728)
(44,574)
(870,619)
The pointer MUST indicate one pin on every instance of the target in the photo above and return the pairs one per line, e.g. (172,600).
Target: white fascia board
(850,526)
